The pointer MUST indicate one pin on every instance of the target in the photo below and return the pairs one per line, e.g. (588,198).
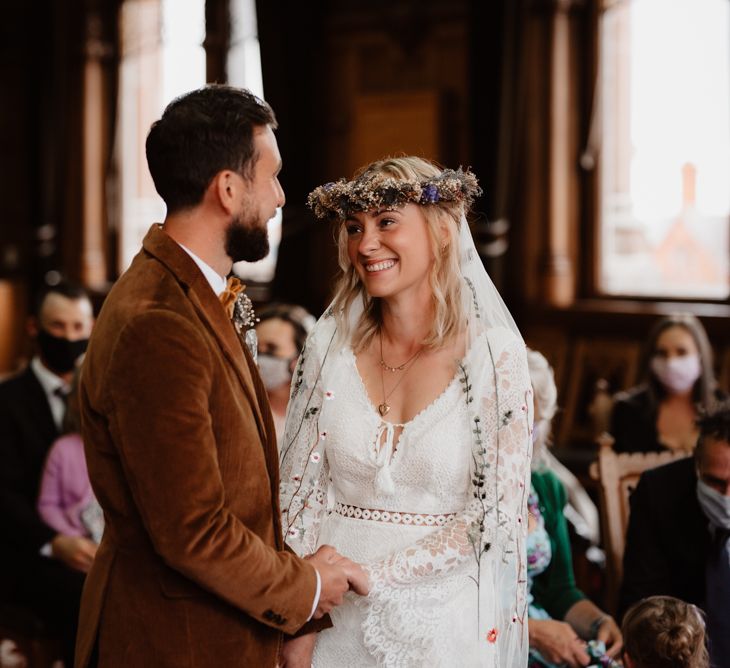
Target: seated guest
(580,510)
(41,568)
(66,501)
(664,632)
(677,538)
(282,330)
(565,628)
(677,381)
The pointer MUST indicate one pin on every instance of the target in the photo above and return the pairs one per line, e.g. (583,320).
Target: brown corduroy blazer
(182,456)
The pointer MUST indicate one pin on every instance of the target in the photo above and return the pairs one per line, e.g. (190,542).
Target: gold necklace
(384,407)
(400,367)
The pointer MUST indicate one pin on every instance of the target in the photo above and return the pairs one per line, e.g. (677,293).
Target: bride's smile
(390,250)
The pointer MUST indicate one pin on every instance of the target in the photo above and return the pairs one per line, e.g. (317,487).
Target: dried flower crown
(372,190)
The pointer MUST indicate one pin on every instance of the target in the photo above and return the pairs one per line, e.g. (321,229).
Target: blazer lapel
(271,448)
(211,313)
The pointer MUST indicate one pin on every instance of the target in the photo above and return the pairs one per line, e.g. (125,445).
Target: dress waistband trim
(393,517)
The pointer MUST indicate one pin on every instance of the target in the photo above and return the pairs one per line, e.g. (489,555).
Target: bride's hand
(358,577)
(297,652)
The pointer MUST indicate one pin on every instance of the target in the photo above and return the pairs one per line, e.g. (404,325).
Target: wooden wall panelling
(418,57)
(394,123)
(554,345)
(613,360)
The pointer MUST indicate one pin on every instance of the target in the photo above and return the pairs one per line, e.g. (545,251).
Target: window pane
(665,149)
(244,69)
(162,57)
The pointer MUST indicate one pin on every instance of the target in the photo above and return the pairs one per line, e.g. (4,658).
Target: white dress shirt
(218,285)
(216,281)
(51,383)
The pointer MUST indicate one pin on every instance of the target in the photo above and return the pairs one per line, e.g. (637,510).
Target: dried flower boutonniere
(240,310)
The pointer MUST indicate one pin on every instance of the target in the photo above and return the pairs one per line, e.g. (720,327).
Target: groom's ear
(226,187)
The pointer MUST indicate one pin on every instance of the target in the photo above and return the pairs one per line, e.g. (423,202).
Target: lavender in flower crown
(373,190)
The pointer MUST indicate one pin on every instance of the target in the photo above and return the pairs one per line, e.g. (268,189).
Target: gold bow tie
(228,297)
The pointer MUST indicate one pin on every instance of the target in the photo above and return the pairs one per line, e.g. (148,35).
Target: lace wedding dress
(433,508)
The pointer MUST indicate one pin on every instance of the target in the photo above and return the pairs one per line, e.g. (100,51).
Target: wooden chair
(617,475)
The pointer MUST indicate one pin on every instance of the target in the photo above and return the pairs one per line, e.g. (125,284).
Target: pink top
(65,488)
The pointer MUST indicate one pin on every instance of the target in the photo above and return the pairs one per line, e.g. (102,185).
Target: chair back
(617,476)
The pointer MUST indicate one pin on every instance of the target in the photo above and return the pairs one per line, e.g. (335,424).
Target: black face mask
(59,353)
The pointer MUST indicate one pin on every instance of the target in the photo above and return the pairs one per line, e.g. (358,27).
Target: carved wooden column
(561,238)
(96,115)
(217,39)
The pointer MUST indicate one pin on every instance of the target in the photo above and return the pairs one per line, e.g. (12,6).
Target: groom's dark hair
(200,134)
(715,424)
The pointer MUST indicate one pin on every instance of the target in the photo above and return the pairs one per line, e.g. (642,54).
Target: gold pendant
(383,409)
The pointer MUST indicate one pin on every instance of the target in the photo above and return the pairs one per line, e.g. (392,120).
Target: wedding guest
(565,628)
(677,538)
(664,632)
(282,330)
(677,381)
(412,406)
(42,568)
(580,511)
(66,501)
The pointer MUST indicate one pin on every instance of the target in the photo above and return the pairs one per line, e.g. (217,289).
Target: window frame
(589,263)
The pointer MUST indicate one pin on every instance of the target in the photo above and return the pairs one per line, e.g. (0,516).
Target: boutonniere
(239,309)
(237,305)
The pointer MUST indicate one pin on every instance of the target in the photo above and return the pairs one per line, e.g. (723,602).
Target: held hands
(338,575)
(74,551)
(558,642)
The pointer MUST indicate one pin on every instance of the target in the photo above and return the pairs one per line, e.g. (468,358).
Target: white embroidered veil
(487,538)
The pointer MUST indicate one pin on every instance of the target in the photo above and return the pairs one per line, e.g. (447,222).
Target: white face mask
(715,506)
(677,374)
(274,371)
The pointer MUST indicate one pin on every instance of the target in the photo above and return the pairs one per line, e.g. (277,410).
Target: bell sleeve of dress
(304,471)
(484,543)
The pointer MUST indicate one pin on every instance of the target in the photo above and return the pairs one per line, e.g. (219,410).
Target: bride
(408,432)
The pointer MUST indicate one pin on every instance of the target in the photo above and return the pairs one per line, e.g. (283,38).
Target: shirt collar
(215,280)
(49,381)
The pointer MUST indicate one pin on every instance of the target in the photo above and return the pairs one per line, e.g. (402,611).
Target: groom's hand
(337,574)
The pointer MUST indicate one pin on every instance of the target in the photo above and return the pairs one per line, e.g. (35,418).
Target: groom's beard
(246,241)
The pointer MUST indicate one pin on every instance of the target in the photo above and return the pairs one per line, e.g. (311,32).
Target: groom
(192,569)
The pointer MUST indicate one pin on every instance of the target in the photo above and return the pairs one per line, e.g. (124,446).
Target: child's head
(664,632)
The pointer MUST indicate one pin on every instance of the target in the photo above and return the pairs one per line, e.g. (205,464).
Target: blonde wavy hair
(444,277)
